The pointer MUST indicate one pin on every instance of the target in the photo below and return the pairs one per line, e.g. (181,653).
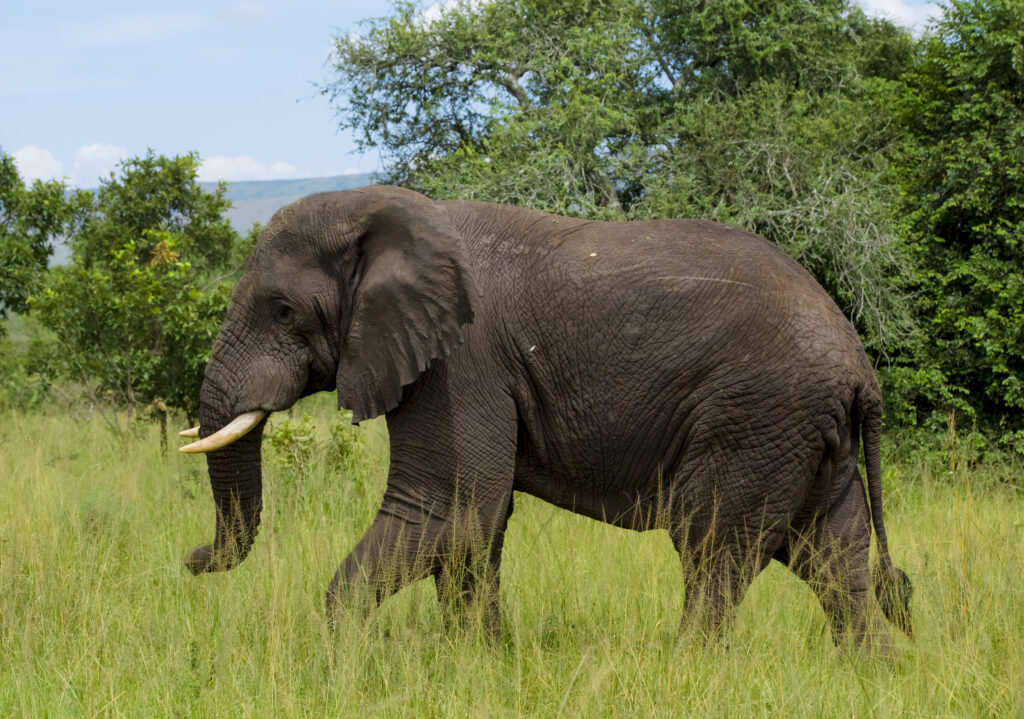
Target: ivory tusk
(194,432)
(233,431)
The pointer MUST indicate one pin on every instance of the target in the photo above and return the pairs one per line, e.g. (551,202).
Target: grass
(98,617)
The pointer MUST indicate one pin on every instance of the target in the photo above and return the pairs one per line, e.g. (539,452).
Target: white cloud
(35,163)
(92,163)
(95,162)
(436,11)
(242,168)
(912,13)
(433,13)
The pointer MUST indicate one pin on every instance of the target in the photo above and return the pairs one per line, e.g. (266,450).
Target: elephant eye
(283,314)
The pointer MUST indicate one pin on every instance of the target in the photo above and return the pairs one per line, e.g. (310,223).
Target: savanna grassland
(98,617)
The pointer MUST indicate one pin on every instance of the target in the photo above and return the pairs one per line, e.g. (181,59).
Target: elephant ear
(413,292)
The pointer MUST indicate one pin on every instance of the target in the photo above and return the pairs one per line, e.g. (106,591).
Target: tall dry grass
(98,617)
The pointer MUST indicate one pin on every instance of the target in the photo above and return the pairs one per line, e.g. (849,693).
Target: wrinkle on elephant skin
(672,374)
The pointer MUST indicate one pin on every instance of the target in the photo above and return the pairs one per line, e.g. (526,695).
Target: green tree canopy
(769,115)
(964,204)
(31,220)
(152,267)
(155,192)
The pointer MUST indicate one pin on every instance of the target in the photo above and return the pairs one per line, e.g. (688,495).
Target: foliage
(299,444)
(347,442)
(26,352)
(139,332)
(155,192)
(293,442)
(893,169)
(770,115)
(31,220)
(964,200)
(153,265)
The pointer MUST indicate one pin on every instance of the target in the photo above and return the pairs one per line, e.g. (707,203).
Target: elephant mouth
(229,433)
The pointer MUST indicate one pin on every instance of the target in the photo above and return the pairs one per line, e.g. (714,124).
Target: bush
(26,364)
(153,265)
(298,445)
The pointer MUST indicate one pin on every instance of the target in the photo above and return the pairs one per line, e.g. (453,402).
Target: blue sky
(86,84)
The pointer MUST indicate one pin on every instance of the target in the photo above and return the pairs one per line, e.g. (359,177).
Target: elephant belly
(627,497)
(714,451)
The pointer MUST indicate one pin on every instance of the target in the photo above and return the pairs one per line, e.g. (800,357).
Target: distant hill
(257,200)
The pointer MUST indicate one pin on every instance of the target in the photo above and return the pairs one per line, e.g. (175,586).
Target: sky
(86,85)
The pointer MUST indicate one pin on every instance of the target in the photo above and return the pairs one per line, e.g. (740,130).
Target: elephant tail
(892,585)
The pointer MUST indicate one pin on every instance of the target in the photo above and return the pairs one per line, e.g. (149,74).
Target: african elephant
(672,374)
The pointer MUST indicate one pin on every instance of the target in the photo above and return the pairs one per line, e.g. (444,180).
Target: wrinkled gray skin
(668,374)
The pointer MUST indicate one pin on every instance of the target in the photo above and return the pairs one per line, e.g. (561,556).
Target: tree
(153,265)
(770,115)
(964,200)
(157,193)
(31,220)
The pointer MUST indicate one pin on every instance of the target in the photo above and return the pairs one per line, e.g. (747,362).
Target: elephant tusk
(233,431)
(194,433)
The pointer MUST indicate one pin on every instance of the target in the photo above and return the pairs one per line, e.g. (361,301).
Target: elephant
(681,375)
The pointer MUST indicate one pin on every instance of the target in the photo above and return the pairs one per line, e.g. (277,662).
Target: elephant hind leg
(713,591)
(831,555)
(725,535)
(719,568)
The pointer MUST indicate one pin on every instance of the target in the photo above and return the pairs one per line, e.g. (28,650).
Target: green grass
(98,617)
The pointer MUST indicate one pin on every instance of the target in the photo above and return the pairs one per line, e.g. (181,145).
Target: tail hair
(892,585)
(894,590)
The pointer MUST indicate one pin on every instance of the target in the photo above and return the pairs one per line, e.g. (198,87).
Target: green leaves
(297,445)
(140,306)
(31,220)
(770,115)
(157,193)
(964,174)
(893,169)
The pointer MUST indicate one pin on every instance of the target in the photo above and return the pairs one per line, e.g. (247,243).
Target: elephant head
(356,290)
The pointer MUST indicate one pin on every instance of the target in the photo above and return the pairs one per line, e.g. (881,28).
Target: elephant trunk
(236,478)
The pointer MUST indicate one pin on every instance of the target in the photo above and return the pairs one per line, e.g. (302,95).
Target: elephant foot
(201,560)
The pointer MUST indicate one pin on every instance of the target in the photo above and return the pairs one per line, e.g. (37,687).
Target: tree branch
(511,83)
(657,55)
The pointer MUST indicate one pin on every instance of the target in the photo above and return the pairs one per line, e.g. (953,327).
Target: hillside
(258,200)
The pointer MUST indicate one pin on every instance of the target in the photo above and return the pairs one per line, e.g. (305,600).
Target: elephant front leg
(451,476)
(394,553)
(469,575)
